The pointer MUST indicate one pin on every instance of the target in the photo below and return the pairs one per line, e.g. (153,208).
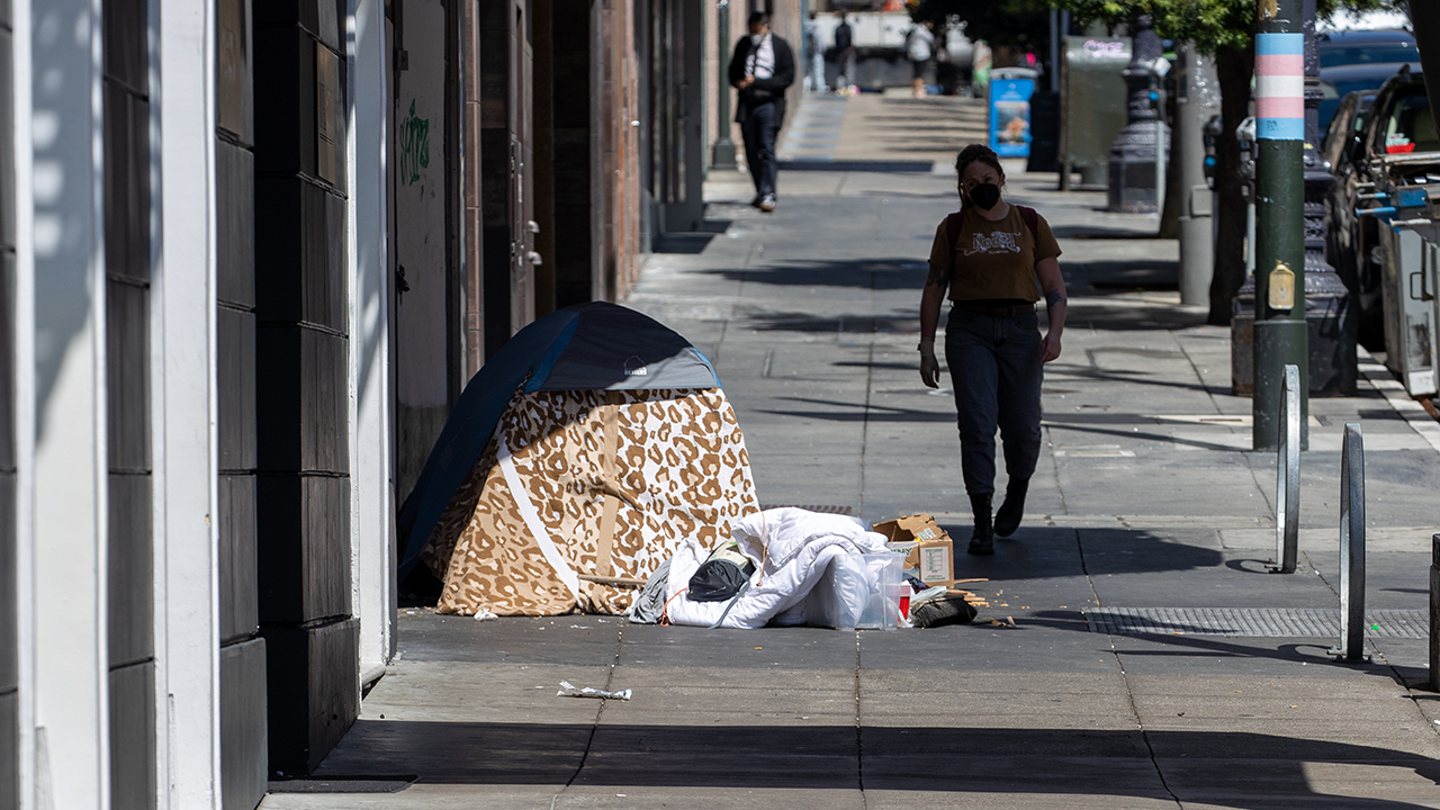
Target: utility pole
(722,155)
(1198,100)
(1280,331)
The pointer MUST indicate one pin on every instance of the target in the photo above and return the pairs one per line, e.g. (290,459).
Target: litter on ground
(568,689)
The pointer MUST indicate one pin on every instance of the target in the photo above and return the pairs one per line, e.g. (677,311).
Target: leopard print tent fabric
(604,483)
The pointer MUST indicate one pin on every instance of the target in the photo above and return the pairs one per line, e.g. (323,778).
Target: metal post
(1132,183)
(1280,331)
(1054,67)
(1199,98)
(1435,613)
(1352,549)
(1287,477)
(1157,97)
(722,155)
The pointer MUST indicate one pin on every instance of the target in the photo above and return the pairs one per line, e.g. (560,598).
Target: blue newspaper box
(1010,115)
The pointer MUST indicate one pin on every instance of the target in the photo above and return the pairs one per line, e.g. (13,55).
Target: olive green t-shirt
(993,261)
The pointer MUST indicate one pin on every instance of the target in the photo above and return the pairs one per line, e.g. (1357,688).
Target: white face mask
(756,39)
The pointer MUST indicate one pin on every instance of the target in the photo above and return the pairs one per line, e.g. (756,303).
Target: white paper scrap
(568,689)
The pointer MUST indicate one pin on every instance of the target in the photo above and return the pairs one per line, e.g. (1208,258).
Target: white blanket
(793,549)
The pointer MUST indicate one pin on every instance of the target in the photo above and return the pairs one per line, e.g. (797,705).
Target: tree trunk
(1234,68)
(1170,211)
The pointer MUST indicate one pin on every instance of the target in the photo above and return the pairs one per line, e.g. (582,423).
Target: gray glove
(929,366)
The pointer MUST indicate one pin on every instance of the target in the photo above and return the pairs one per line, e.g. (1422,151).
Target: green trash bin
(1092,105)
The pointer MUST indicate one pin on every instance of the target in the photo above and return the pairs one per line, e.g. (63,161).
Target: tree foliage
(1213,25)
(1224,29)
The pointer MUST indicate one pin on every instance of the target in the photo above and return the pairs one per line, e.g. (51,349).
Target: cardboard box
(930,553)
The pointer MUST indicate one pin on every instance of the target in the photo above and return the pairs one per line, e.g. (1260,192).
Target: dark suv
(1398,122)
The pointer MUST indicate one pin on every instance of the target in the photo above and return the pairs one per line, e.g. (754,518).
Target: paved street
(1146,496)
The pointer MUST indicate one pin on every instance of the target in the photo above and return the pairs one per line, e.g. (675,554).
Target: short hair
(759,18)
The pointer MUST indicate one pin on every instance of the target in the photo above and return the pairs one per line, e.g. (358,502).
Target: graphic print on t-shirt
(994,242)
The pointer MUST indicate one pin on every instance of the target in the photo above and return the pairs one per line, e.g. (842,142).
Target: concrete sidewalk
(1146,497)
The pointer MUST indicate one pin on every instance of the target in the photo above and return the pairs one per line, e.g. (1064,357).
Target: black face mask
(985,195)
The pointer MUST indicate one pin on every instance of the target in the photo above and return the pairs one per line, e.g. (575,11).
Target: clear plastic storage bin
(858,591)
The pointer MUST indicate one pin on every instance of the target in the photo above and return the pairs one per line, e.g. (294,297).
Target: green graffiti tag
(414,146)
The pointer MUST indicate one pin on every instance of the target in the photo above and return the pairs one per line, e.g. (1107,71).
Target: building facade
(250,253)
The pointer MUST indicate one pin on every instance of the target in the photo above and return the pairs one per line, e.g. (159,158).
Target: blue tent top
(594,346)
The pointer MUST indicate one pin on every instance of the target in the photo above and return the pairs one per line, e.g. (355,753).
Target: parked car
(1339,81)
(1360,60)
(1397,122)
(1345,125)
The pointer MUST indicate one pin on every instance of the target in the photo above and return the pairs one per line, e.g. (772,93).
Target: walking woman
(990,255)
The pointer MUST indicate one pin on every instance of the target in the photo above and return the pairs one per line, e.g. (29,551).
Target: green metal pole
(1280,331)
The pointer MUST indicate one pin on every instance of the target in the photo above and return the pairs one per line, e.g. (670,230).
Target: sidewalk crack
(859,730)
(595,726)
(1055,465)
(869,387)
(1129,690)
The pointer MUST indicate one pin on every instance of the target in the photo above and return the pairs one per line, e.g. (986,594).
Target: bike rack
(1287,476)
(1351,649)
(1435,613)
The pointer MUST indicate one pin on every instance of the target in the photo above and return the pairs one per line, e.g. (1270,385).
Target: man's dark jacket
(763,90)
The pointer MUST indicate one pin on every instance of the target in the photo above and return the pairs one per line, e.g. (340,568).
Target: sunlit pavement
(1147,496)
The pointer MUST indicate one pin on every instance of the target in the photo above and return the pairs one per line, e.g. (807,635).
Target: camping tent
(592,443)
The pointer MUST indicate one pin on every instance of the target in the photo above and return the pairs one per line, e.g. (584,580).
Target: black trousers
(759,130)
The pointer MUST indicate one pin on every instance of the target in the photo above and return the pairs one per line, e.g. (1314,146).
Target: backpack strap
(952,229)
(1032,221)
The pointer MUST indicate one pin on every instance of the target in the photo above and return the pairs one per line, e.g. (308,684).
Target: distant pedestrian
(989,255)
(844,53)
(815,42)
(919,49)
(980,69)
(761,68)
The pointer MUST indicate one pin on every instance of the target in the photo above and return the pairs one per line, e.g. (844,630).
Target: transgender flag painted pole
(1280,86)
(1280,336)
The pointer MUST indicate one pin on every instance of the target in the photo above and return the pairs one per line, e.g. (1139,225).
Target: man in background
(844,53)
(919,49)
(815,42)
(762,66)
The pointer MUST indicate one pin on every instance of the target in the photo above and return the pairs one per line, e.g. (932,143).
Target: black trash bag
(722,575)
(941,611)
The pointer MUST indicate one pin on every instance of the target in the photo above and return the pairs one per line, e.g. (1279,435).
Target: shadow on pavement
(870,273)
(1055,551)
(693,242)
(812,324)
(1247,770)
(834,411)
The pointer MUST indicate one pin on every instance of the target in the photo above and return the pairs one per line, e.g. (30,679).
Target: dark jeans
(996,370)
(759,133)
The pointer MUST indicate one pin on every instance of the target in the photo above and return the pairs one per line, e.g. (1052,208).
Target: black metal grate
(1261,622)
(826,510)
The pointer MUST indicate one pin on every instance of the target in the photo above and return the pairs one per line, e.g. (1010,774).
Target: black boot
(1007,519)
(982,540)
